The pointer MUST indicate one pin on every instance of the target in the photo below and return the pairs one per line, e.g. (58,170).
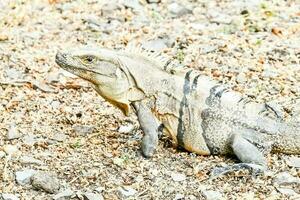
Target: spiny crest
(169,65)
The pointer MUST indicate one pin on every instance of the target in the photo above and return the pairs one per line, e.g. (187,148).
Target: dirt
(251,46)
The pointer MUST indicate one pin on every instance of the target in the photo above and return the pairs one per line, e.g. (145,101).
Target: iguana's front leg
(149,126)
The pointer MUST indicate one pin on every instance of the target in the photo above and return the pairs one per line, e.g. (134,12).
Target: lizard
(195,111)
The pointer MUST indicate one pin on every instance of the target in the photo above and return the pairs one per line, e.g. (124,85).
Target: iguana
(198,114)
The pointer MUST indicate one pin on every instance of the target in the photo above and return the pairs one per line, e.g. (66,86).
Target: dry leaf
(277,32)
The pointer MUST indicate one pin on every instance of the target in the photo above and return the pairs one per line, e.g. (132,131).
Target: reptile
(196,112)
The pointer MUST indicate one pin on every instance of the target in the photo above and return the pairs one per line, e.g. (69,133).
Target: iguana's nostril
(61,55)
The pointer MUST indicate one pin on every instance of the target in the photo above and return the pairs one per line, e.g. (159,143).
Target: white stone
(212,195)
(126,128)
(23,177)
(10,149)
(127,191)
(6,196)
(178,177)
(64,194)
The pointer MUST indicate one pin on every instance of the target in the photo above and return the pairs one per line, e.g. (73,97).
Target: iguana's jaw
(65,61)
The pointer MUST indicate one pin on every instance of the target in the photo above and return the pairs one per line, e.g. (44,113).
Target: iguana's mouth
(60,59)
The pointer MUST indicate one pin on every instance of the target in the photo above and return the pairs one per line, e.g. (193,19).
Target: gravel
(252,46)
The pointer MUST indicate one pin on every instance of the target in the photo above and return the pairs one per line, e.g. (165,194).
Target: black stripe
(183,104)
(211,100)
(161,128)
(167,64)
(220,93)
(195,82)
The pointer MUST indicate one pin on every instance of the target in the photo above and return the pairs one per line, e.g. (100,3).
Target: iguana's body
(197,113)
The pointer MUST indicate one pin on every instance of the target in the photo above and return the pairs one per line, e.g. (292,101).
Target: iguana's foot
(149,145)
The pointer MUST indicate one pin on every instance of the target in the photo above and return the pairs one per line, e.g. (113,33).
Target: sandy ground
(53,122)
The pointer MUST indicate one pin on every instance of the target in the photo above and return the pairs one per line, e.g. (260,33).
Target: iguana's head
(104,69)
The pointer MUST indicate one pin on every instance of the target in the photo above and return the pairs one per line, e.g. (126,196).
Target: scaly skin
(196,112)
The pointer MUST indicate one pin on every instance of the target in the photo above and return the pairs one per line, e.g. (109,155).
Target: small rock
(191,197)
(284,178)
(118,161)
(134,4)
(92,196)
(30,160)
(30,139)
(291,161)
(6,196)
(155,45)
(287,191)
(198,26)
(13,133)
(109,8)
(178,197)
(83,130)
(127,191)
(208,49)
(59,137)
(153,1)
(23,177)
(126,128)
(55,105)
(45,181)
(220,18)
(178,10)
(2,154)
(13,73)
(11,149)
(241,78)
(212,195)
(3,38)
(66,194)
(178,177)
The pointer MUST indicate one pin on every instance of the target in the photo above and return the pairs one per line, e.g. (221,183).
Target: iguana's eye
(88,59)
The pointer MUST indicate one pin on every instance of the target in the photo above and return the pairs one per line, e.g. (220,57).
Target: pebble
(241,78)
(127,191)
(109,8)
(45,181)
(155,45)
(178,10)
(59,137)
(126,128)
(134,4)
(293,161)
(287,191)
(10,149)
(92,196)
(153,1)
(220,18)
(284,178)
(30,139)
(83,130)
(13,132)
(30,160)
(178,177)
(23,177)
(212,195)
(6,196)
(65,194)
(2,154)
(13,73)
(178,197)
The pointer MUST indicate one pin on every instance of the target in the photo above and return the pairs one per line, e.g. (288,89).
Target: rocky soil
(60,140)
